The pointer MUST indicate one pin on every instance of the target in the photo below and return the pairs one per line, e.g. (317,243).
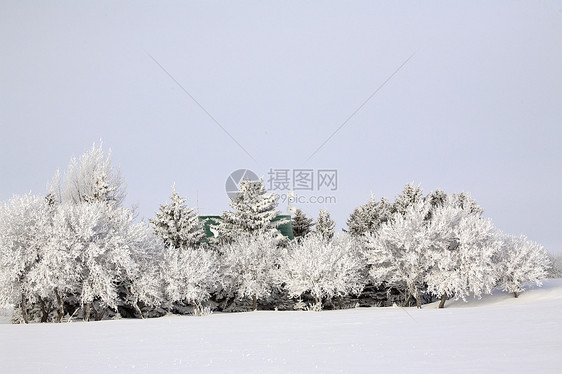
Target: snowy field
(496,334)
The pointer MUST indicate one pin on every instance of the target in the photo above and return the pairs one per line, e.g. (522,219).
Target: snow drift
(497,333)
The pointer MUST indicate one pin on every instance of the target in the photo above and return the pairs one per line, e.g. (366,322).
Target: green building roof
(286,229)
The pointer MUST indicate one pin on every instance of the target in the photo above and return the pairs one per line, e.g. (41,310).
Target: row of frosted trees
(78,254)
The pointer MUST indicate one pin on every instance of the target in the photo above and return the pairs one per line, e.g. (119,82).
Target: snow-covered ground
(496,334)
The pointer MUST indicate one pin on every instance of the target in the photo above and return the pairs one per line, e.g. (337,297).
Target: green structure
(286,229)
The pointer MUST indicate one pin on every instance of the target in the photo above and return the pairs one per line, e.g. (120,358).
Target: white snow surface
(498,334)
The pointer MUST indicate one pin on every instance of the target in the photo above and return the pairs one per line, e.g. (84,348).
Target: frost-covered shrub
(143,283)
(25,222)
(189,275)
(397,253)
(461,253)
(248,266)
(324,268)
(75,255)
(555,270)
(521,262)
(102,243)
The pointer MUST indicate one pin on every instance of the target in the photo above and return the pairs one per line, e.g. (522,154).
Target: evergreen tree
(464,201)
(360,221)
(368,218)
(325,225)
(435,200)
(177,224)
(384,211)
(301,224)
(253,212)
(409,196)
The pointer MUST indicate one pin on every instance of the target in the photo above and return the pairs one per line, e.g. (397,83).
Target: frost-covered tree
(398,252)
(102,242)
(360,221)
(368,218)
(555,270)
(436,199)
(249,263)
(25,223)
(84,254)
(141,281)
(55,272)
(94,256)
(410,195)
(90,178)
(302,225)
(253,211)
(177,224)
(521,262)
(325,225)
(462,250)
(464,201)
(384,211)
(323,268)
(190,276)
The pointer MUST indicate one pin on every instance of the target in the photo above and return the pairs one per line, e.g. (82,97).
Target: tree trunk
(406,300)
(414,293)
(228,304)
(516,294)
(61,306)
(443,299)
(87,312)
(317,302)
(198,309)
(44,314)
(24,309)
(98,315)
(254,303)
(137,309)
(95,311)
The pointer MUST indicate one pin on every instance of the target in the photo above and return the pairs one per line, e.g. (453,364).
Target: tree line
(77,253)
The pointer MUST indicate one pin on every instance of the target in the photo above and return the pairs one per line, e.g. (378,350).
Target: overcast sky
(477,107)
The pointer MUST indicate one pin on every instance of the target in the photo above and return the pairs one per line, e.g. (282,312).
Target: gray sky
(477,108)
